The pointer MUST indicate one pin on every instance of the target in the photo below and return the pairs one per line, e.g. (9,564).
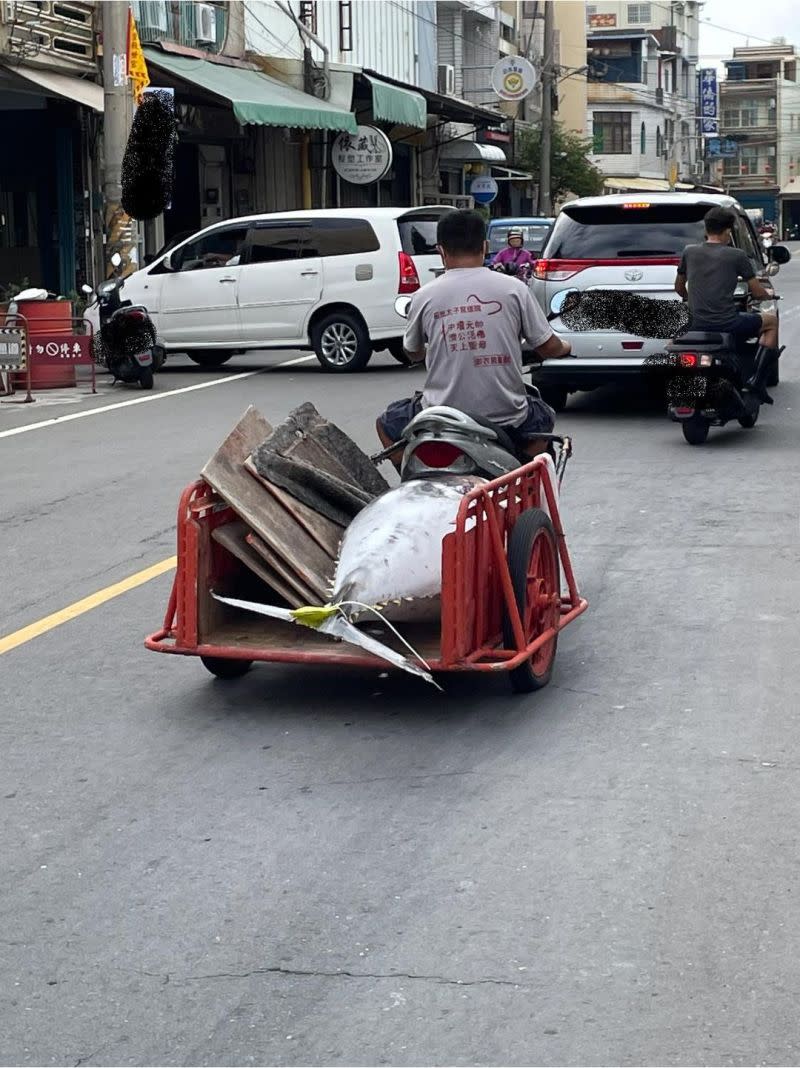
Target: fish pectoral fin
(339,627)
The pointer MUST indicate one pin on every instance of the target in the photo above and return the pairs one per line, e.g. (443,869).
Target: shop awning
(390,103)
(256,98)
(90,94)
(465,151)
(509,174)
(644,185)
(449,107)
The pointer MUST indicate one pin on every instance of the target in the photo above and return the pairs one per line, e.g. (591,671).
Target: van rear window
(418,234)
(605,233)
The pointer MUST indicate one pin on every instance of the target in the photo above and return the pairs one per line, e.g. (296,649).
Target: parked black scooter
(126,341)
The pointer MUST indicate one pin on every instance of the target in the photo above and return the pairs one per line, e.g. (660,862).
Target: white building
(642,93)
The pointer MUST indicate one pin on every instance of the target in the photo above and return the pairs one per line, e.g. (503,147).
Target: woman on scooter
(515,253)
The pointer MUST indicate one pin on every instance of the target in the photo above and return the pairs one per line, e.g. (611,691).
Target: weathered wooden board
(324,531)
(306,595)
(233,537)
(262,512)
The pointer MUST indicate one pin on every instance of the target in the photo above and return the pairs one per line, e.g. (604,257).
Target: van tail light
(437,453)
(558,270)
(688,359)
(409,279)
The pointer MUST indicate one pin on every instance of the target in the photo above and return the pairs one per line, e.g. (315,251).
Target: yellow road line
(94,600)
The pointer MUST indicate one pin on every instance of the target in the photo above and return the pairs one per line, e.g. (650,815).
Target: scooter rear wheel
(146,378)
(696,429)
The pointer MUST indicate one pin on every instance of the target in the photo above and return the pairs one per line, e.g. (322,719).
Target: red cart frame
(478,600)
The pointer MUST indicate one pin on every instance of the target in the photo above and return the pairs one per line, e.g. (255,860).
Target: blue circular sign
(483,189)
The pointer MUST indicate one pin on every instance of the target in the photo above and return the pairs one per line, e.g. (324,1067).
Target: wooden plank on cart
(233,537)
(324,531)
(276,527)
(305,594)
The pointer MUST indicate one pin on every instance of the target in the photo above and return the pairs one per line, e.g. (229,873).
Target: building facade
(50,119)
(642,93)
(760,114)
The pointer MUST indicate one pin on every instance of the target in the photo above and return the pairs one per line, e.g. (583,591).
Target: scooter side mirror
(779,254)
(116,260)
(402,306)
(87,290)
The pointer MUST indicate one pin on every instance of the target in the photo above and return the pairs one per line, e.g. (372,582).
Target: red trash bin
(51,317)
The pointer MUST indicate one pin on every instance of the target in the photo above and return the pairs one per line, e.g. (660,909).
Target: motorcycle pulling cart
(502,605)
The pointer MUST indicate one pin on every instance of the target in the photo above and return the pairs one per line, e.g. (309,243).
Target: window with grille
(611,133)
(639,14)
(345,26)
(308,14)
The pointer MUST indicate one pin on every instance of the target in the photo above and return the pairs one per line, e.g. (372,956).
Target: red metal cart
(502,600)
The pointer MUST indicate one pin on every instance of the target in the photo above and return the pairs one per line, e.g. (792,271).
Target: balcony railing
(183,22)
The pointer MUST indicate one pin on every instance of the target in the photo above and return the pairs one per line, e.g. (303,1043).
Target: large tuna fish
(390,564)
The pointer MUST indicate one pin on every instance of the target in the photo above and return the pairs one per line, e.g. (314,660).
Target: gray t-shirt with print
(472,319)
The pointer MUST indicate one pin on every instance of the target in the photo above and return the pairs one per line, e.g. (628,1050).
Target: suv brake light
(409,279)
(558,270)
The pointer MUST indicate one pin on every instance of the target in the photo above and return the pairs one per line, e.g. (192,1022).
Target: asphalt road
(316,867)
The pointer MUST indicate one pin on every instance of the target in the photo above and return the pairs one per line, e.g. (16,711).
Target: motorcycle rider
(516,254)
(707,278)
(467,326)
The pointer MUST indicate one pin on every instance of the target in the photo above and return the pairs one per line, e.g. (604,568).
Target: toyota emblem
(634,276)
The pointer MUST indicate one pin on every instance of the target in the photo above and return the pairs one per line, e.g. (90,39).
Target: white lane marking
(148,398)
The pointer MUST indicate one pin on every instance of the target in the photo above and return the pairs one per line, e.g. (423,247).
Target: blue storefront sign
(721,148)
(707,79)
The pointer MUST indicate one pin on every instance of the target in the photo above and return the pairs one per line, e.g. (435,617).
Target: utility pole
(120,230)
(546,141)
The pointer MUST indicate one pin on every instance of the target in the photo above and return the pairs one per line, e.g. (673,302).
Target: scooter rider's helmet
(516,231)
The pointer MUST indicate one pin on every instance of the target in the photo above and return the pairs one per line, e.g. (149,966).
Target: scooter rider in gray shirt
(707,277)
(467,326)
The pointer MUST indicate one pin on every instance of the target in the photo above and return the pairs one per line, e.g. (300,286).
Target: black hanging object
(148,163)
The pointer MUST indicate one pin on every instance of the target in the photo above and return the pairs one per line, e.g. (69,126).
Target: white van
(325,280)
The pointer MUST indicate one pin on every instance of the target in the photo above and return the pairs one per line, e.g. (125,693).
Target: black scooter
(126,341)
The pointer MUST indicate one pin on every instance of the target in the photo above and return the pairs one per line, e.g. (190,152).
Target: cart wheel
(535,576)
(224,668)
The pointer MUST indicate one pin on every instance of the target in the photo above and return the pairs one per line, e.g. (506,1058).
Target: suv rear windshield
(418,234)
(605,233)
(533,236)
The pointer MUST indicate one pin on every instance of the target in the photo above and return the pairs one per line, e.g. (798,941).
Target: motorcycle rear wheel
(696,429)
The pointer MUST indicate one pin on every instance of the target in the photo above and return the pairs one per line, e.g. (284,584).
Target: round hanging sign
(483,190)
(513,78)
(363,157)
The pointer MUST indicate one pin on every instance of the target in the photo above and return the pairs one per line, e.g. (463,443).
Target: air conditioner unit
(154,16)
(205,23)
(447,79)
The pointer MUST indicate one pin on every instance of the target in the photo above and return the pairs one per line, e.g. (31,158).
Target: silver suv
(630,242)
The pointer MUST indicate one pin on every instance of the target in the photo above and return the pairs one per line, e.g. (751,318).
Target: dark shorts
(745,325)
(540,419)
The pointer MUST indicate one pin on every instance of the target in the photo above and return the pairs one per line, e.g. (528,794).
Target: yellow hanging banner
(137,68)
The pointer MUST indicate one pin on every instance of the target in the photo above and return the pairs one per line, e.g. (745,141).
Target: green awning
(256,98)
(392,104)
